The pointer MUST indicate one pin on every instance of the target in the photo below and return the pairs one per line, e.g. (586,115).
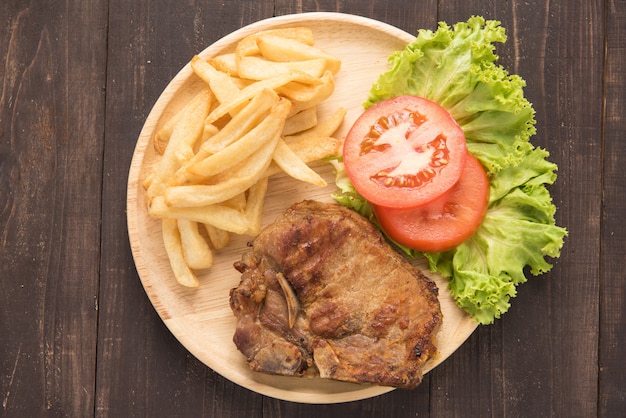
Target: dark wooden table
(78,335)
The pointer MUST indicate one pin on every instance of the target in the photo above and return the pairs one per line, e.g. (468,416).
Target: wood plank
(51,139)
(57,287)
(613,290)
(142,369)
(549,337)
(564,326)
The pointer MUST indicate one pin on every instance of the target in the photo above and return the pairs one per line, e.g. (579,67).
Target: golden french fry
(301,121)
(315,149)
(314,96)
(323,129)
(245,175)
(219,238)
(221,83)
(278,48)
(162,137)
(196,250)
(217,215)
(208,132)
(286,159)
(248,45)
(256,110)
(308,150)
(226,63)
(246,119)
(237,202)
(254,206)
(174,250)
(204,195)
(256,68)
(249,167)
(147,181)
(250,92)
(260,118)
(299,92)
(242,83)
(180,146)
(239,178)
(260,136)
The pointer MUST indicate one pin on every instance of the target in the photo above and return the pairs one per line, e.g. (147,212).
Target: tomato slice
(404,152)
(445,222)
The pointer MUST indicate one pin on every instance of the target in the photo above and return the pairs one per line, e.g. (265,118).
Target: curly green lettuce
(455,67)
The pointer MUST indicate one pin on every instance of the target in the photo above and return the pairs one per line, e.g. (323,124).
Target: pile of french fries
(255,116)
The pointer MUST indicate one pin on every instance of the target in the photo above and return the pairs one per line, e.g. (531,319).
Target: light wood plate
(201,318)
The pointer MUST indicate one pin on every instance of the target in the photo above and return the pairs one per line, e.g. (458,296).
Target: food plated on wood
(224,186)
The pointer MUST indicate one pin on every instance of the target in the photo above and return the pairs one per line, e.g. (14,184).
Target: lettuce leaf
(518,232)
(455,67)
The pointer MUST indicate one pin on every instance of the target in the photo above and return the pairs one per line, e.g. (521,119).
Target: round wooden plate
(201,318)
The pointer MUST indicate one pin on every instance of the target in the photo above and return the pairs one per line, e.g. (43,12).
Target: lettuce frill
(456,67)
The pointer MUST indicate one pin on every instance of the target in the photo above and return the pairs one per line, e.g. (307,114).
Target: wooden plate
(201,318)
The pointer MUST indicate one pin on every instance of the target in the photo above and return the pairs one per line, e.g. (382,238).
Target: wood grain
(612,379)
(78,335)
(51,139)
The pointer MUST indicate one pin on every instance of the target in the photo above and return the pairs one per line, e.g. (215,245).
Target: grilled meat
(322,293)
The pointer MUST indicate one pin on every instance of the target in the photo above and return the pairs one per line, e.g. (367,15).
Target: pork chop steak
(323,294)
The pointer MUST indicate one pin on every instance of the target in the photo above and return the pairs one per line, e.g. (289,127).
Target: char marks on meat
(323,294)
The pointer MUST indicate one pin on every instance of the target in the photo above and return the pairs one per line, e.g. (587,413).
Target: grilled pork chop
(322,293)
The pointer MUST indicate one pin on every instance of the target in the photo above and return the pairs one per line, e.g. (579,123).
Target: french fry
(173,247)
(163,135)
(256,116)
(250,166)
(196,250)
(217,215)
(323,129)
(298,92)
(248,45)
(249,92)
(289,162)
(256,68)
(252,114)
(301,121)
(314,96)
(234,182)
(254,207)
(221,83)
(208,132)
(280,48)
(237,202)
(219,238)
(148,180)
(257,109)
(239,178)
(309,150)
(226,63)
(180,146)
(260,136)
(315,149)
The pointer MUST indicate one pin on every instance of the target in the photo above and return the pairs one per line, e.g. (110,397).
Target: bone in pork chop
(322,293)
